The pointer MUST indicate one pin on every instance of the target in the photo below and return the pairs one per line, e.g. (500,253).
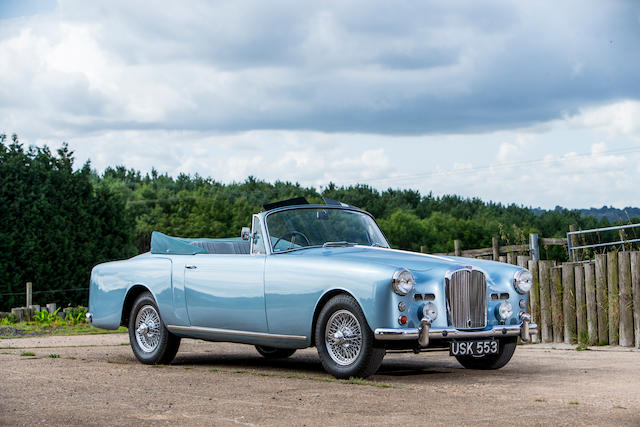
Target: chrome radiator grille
(467,299)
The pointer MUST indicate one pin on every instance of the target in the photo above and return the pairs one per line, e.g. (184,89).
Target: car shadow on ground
(306,364)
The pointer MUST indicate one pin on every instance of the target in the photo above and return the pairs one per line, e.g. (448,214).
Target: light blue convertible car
(313,275)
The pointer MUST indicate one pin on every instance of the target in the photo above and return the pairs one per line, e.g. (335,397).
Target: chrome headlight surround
(523,281)
(402,281)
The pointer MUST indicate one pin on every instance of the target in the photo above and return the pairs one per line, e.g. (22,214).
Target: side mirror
(245,233)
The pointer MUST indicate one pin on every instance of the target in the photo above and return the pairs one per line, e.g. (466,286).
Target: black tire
(275,353)
(507,346)
(367,359)
(158,346)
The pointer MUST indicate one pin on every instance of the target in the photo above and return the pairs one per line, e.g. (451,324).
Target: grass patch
(54,356)
(581,347)
(33,329)
(27,353)
(541,399)
(574,402)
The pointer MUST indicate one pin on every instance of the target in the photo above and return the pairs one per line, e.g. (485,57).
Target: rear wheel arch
(132,294)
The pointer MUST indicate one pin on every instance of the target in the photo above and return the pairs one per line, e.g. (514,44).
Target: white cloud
(620,118)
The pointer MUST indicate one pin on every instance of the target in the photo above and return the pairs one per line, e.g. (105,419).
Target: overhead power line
(506,165)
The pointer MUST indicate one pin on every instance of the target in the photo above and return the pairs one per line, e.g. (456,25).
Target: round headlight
(430,310)
(522,281)
(402,282)
(505,310)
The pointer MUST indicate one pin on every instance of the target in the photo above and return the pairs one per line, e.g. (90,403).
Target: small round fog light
(523,304)
(402,320)
(402,306)
(505,310)
(430,310)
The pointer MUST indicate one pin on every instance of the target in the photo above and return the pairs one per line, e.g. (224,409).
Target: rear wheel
(507,347)
(345,341)
(275,353)
(150,340)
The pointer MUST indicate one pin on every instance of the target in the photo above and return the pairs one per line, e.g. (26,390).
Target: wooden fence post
(29,294)
(581,306)
(574,242)
(534,247)
(523,261)
(556,304)
(626,300)
(590,296)
(602,299)
(502,258)
(496,248)
(546,330)
(511,258)
(635,280)
(569,303)
(534,297)
(614,302)
(456,246)
(423,249)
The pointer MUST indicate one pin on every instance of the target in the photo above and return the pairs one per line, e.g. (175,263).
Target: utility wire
(506,165)
(45,292)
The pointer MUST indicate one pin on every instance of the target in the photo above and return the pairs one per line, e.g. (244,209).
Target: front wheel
(345,341)
(274,353)
(150,340)
(506,348)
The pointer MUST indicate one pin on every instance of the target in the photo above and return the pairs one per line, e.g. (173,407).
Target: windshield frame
(297,207)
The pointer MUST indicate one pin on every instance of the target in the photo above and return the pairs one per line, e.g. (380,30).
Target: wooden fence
(597,302)
(507,253)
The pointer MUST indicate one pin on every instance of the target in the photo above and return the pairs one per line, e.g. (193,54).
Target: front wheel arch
(320,305)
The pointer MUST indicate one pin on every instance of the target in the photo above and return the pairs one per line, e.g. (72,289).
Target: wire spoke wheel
(343,337)
(147,328)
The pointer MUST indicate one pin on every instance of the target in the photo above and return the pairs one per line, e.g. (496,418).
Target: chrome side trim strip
(234,332)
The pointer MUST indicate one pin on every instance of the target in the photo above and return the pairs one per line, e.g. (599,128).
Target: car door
(226,291)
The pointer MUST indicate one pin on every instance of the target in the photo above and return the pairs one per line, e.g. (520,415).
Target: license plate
(473,348)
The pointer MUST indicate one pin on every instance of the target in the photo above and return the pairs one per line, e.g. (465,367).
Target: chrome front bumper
(425,333)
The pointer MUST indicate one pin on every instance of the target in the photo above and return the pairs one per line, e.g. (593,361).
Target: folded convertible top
(163,244)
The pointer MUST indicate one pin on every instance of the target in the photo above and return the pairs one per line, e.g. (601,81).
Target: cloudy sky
(536,103)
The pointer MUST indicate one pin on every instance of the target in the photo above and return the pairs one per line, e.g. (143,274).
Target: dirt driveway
(96,380)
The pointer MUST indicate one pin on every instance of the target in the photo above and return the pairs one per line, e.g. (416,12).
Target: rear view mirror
(323,215)
(245,233)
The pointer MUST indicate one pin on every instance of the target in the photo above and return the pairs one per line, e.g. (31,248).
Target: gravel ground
(95,380)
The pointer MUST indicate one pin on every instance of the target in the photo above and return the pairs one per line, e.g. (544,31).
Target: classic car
(313,275)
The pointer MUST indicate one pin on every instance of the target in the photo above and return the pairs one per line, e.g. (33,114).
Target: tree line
(59,221)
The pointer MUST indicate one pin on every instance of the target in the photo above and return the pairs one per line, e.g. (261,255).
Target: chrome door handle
(191,267)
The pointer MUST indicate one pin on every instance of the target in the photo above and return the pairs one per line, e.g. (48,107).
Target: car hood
(391,257)
(424,266)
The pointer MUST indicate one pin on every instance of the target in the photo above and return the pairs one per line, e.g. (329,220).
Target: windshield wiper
(337,244)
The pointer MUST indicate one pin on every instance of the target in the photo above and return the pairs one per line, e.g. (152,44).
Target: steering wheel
(292,234)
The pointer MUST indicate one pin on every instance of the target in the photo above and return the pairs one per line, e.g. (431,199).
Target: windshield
(304,227)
